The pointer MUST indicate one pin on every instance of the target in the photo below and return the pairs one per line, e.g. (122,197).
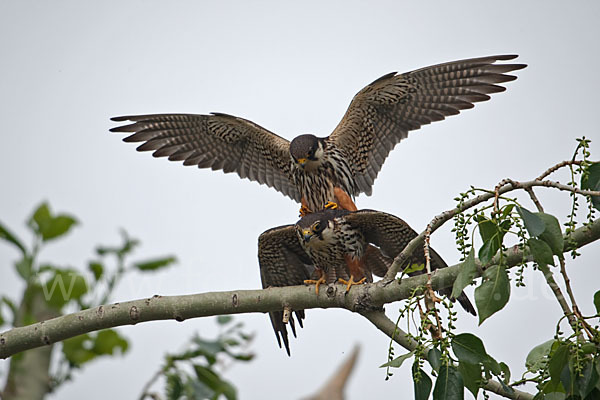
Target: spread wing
(391,234)
(383,113)
(216,141)
(283,262)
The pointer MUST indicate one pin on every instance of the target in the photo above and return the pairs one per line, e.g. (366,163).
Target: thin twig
(563,270)
(556,167)
(560,298)
(150,382)
(442,218)
(535,200)
(183,307)
(385,325)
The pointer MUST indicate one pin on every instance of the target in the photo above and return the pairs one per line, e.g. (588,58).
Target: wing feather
(383,113)
(216,141)
(391,234)
(283,262)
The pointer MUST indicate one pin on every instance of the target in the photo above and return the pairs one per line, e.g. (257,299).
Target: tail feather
(375,261)
(462,299)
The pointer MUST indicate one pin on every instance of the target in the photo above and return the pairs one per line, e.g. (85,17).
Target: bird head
(307,151)
(317,229)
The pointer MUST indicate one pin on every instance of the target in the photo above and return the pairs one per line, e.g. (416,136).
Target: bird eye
(317,227)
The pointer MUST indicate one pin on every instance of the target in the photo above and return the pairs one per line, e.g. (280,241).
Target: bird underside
(342,201)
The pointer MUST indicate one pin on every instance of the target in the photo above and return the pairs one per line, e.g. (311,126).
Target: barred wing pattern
(283,262)
(383,113)
(216,141)
(391,234)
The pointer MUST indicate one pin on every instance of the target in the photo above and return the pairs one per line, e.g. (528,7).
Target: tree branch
(505,186)
(360,299)
(385,325)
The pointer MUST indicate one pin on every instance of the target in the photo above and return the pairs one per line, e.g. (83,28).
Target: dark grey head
(315,224)
(306,148)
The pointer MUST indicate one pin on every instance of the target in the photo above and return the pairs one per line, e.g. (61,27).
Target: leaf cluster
(196,373)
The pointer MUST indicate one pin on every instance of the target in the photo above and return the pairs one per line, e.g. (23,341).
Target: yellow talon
(351,282)
(331,205)
(304,211)
(317,282)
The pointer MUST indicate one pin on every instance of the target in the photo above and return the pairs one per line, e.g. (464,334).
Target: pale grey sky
(68,66)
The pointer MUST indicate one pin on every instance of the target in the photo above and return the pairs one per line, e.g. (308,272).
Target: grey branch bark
(439,220)
(360,299)
(28,377)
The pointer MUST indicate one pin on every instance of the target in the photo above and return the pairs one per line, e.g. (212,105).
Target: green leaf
(128,245)
(153,265)
(567,378)
(48,226)
(212,380)
(24,268)
(558,361)
(505,371)
(492,236)
(58,227)
(40,219)
(10,237)
(541,251)
(471,375)
(64,286)
(448,385)
(11,305)
(467,272)
(434,356)
(488,251)
(493,293)
(536,359)
(174,387)
(492,365)
(97,269)
(591,181)
(587,380)
(552,234)
(469,348)
(422,383)
(107,341)
(507,209)
(397,362)
(533,223)
(597,301)
(224,319)
(77,350)
(413,268)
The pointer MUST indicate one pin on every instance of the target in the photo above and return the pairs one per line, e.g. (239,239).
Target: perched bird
(336,245)
(324,172)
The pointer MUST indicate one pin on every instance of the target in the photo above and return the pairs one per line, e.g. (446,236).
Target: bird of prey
(325,172)
(336,245)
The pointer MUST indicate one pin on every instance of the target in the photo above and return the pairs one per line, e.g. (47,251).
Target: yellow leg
(304,211)
(317,282)
(331,205)
(351,282)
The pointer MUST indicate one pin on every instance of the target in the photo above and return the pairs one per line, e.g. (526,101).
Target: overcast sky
(68,66)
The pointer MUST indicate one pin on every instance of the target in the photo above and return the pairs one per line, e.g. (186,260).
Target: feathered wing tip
(466,304)
(376,261)
(462,299)
(280,329)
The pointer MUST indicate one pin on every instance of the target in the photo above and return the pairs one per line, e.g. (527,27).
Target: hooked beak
(307,235)
(302,161)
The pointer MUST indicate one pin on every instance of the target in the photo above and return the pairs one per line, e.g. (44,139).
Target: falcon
(322,172)
(339,245)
